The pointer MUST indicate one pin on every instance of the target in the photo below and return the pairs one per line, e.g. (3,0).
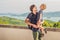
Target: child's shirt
(40,12)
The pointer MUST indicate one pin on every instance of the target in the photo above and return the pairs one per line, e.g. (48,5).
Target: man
(31,21)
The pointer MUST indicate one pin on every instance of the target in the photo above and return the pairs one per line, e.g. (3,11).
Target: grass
(11,21)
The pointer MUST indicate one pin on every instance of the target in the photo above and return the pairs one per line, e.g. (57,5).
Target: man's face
(43,7)
(35,9)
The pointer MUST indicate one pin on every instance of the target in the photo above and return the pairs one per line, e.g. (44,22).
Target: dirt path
(52,36)
(25,34)
(15,34)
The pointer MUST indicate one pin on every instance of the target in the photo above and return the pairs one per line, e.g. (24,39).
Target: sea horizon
(53,16)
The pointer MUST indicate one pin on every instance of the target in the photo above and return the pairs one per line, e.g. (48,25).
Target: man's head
(42,6)
(33,8)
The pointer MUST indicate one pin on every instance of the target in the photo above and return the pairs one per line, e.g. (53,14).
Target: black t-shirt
(33,19)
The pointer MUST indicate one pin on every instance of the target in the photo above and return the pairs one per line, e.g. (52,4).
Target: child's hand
(42,28)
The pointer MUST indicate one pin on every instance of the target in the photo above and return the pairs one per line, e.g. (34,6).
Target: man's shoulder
(30,14)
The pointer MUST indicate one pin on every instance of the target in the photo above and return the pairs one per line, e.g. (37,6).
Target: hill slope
(14,21)
(11,21)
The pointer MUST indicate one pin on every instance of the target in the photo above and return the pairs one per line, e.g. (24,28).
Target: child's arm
(38,24)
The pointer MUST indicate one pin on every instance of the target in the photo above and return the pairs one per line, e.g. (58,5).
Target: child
(40,22)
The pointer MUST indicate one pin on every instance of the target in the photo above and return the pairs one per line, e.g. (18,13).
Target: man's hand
(35,26)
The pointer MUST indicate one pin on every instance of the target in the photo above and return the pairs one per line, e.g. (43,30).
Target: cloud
(22,6)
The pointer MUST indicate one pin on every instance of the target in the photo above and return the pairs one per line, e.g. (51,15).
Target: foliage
(49,23)
(11,21)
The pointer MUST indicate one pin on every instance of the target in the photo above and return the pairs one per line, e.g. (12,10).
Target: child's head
(33,8)
(42,6)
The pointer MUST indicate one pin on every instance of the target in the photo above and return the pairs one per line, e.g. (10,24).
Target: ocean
(53,16)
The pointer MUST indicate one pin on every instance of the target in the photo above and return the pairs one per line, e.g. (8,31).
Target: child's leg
(42,29)
(40,34)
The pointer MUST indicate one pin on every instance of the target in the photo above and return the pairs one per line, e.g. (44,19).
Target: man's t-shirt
(33,19)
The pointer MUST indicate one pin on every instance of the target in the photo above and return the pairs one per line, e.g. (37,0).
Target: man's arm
(28,23)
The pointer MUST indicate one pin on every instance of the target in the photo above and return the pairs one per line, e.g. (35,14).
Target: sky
(22,6)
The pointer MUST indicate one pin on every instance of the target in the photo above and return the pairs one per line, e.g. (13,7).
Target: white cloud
(21,6)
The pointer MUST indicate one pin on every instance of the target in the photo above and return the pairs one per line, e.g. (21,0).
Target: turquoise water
(54,16)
